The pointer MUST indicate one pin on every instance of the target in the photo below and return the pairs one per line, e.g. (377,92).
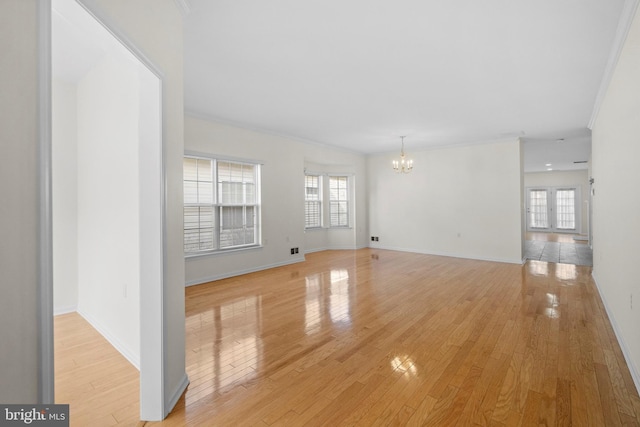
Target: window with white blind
(312,201)
(221,205)
(339,201)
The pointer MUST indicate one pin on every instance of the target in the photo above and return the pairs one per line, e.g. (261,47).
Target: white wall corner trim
(45,233)
(635,374)
(184,7)
(115,342)
(624,25)
(203,280)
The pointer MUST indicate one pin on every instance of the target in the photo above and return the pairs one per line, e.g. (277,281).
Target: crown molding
(245,126)
(624,25)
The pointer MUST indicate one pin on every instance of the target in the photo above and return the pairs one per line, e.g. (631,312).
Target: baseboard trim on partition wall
(57,311)
(450,255)
(177,393)
(310,251)
(115,342)
(635,375)
(335,248)
(202,280)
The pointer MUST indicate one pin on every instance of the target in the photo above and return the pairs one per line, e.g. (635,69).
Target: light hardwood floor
(99,384)
(374,337)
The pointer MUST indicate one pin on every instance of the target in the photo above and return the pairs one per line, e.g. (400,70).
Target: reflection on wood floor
(374,337)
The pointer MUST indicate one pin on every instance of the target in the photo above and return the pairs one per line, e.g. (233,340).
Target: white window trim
(325,220)
(217,205)
(320,200)
(349,200)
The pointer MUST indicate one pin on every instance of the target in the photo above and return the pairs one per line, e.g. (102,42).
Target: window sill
(222,252)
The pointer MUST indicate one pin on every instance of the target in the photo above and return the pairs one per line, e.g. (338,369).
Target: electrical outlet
(377,238)
(373,239)
(296,250)
(292,251)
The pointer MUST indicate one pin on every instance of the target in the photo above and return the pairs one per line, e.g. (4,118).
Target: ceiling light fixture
(403,165)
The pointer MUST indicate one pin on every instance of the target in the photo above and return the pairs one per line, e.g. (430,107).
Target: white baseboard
(221,276)
(199,281)
(64,310)
(310,251)
(115,342)
(633,369)
(446,254)
(334,248)
(177,393)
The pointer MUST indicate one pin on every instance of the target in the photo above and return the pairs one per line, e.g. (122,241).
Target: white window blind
(339,201)
(312,201)
(236,183)
(198,205)
(221,205)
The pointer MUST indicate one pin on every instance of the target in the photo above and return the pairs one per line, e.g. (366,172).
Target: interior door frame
(153,405)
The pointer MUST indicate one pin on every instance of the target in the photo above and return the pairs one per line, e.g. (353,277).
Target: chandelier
(403,165)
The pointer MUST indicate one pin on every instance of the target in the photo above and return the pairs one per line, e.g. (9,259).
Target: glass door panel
(566,209)
(538,209)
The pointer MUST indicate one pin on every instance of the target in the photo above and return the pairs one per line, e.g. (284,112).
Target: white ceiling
(360,73)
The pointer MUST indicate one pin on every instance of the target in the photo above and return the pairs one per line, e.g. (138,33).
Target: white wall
(154,29)
(616,202)
(108,206)
(19,173)
(578,178)
(283,162)
(65,203)
(462,201)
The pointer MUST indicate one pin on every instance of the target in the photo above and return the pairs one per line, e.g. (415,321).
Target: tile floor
(566,253)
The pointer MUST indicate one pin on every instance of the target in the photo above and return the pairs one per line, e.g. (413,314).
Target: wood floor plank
(374,337)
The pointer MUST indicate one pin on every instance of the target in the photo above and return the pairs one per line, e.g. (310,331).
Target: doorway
(553,209)
(107,188)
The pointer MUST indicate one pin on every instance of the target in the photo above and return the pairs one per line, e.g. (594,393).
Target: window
(339,201)
(221,205)
(198,205)
(312,201)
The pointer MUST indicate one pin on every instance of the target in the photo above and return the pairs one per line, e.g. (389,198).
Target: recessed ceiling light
(549,169)
(548,164)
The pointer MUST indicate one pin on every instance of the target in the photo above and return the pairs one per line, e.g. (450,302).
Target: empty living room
(326,213)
